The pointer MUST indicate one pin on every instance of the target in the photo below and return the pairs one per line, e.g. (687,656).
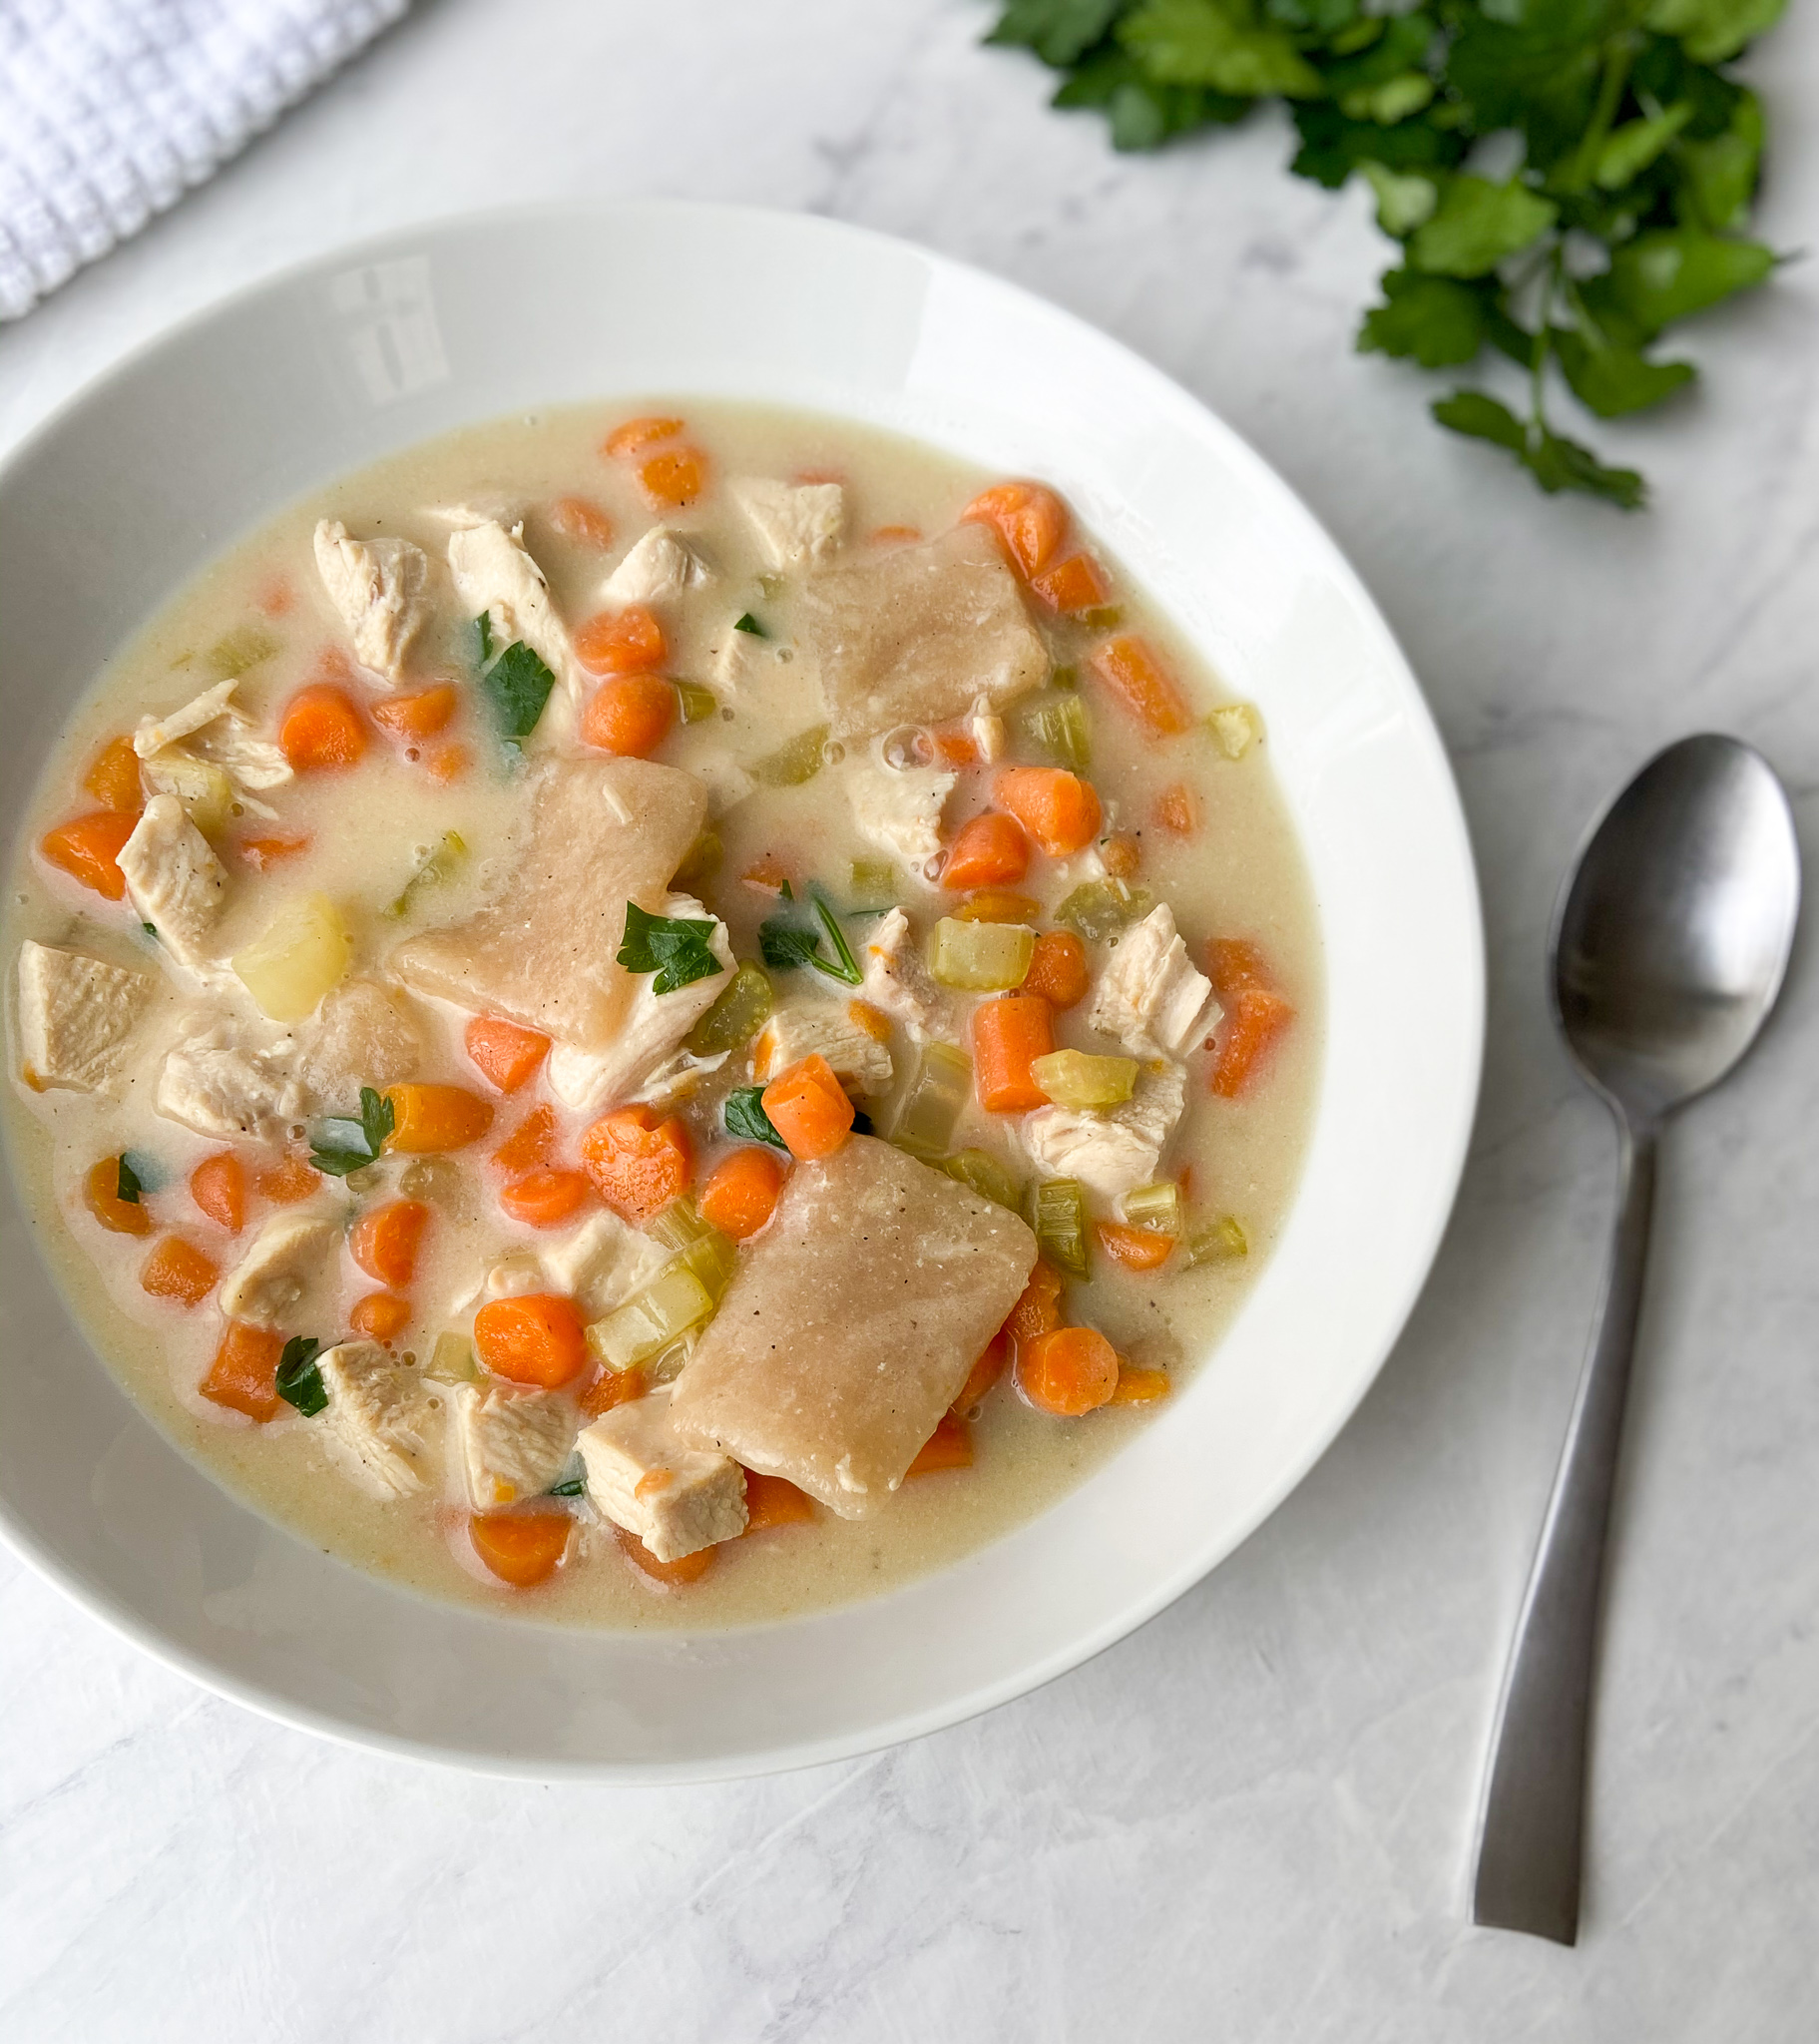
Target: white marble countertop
(1249,1821)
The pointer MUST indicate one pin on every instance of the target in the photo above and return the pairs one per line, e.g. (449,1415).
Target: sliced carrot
(989,851)
(529,1143)
(1057,971)
(774,1501)
(769,875)
(1069,585)
(629,716)
(950,1446)
(612,1387)
(176,1270)
(689,1568)
(506,1053)
(321,729)
(1137,1249)
(380,1317)
(449,761)
(417,716)
(956,747)
(637,1163)
(998,904)
(1029,519)
(993,1360)
(628,642)
(1177,810)
(1037,1311)
(101,1195)
(638,434)
(88,849)
(386,1239)
(244,1375)
(1069,1371)
(546,1199)
(531,1338)
(1255,1014)
(113,777)
(218,1184)
(428,1119)
(1121,854)
(264,853)
(808,1108)
(674,478)
(578,519)
(1139,1386)
(1009,1035)
(1059,810)
(1133,673)
(289,1180)
(742,1191)
(521,1548)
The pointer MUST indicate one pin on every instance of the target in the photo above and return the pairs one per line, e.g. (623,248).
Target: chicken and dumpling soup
(663,1020)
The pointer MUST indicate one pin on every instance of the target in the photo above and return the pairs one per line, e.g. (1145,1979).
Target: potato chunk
(298,962)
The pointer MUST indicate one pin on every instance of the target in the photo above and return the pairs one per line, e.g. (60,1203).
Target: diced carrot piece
(449,761)
(1069,585)
(628,642)
(742,1191)
(612,1387)
(289,1180)
(1139,1386)
(417,716)
(1237,968)
(578,519)
(674,478)
(386,1239)
(993,1360)
(1137,1249)
(1059,810)
(1255,1014)
(506,1053)
(1177,810)
(638,434)
(1037,1311)
(689,1568)
(774,1501)
(218,1184)
(380,1317)
(101,1195)
(1069,1371)
(521,1548)
(176,1270)
(88,849)
(1057,971)
(808,1108)
(989,851)
(769,875)
(950,1446)
(1132,670)
(264,853)
(428,1119)
(896,535)
(638,1164)
(1121,854)
(998,904)
(874,1021)
(954,748)
(321,729)
(546,1199)
(531,1338)
(113,777)
(1009,1035)
(629,716)
(529,1143)
(244,1375)
(1029,519)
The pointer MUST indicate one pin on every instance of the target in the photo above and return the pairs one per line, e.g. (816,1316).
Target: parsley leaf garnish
(744,1116)
(483,637)
(677,948)
(345,1145)
(127,1187)
(299,1382)
(785,945)
(517,685)
(747,622)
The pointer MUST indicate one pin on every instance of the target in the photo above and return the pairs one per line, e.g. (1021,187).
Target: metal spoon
(1668,949)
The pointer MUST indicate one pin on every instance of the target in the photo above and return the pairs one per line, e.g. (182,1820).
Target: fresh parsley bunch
(1638,158)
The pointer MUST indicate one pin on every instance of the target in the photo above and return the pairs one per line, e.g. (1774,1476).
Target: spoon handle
(1528,1870)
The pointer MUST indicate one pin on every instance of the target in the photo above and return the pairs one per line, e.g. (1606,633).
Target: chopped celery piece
(701,860)
(1107,618)
(441,863)
(874,886)
(451,1361)
(774,585)
(984,957)
(736,1017)
(695,702)
(1064,677)
(679,1225)
(1236,728)
(1218,1241)
(712,1259)
(673,1302)
(243,647)
(204,790)
(1101,909)
(941,1088)
(1058,1214)
(1077,1079)
(1156,1207)
(791,764)
(987,1177)
(1057,726)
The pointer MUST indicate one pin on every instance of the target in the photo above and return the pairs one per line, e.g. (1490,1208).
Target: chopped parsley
(129,1186)
(678,948)
(786,946)
(517,685)
(344,1144)
(744,1116)
(299,1382)
(747,622)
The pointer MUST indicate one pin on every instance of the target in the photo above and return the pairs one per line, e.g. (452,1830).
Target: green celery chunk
(1101,909)
(983,957)
(1157,1207)
(246,646)
(451,1361)
(796,763)
(735,1018)
(1077,1079)
(653,1316)
(941,1088)
(1216,1242)
(987,1177)
(1056,725)
(697,703)
(679,1225)
(441,863)
(875,886)
(1058,1214)
(711,1257)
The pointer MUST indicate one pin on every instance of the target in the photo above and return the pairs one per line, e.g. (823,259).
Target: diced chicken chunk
(222,736)
(988,734)
(797,525)
(174,880)
(851,1323)
(380,587)
(663,565)
(920,635)
(361,1035)
(603,832)
(898,808)
(289,1255)
(494,574)
(745,663)
(852,1036)
(512,1444)
(377,1424)
(154,733)
(645,1478)
(601,1263)
(222,1084)
(1111,1154)
(898,981)
(75,1015)
(1150,996)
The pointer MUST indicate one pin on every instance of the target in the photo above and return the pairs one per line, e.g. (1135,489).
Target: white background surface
(1249,1822)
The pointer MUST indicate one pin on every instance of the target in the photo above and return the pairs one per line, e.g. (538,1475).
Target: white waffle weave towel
(109,110)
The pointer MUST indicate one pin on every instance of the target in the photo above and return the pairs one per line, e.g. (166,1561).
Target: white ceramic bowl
(173,457)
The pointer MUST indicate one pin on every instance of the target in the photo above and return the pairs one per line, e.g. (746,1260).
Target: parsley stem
(1619,54)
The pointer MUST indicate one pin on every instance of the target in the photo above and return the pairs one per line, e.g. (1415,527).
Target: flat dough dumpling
(544,952)
(920,635)
(851,1325)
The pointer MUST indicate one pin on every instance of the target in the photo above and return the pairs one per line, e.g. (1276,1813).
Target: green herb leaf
(1668,274)
(1433,319)
(1218,43)
(747,622)
(299,1382)
(786,946)
(1060,32)
(517,685)
(343,1144)
(678,949)
(572,1481)
(744,1116)
(1627,150)
(1557,463)
(1481,419)
(126,1186)
(483,638)
(1614,380)
(1478,225)
(150,930)
(1713,30)
(1718,172)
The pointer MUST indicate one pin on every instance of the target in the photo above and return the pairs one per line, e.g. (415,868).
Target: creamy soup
(660,1020)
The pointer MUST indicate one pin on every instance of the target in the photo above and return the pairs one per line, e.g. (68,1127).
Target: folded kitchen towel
(109,110)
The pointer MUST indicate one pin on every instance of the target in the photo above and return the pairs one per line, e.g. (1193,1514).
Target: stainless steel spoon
(1668,949)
